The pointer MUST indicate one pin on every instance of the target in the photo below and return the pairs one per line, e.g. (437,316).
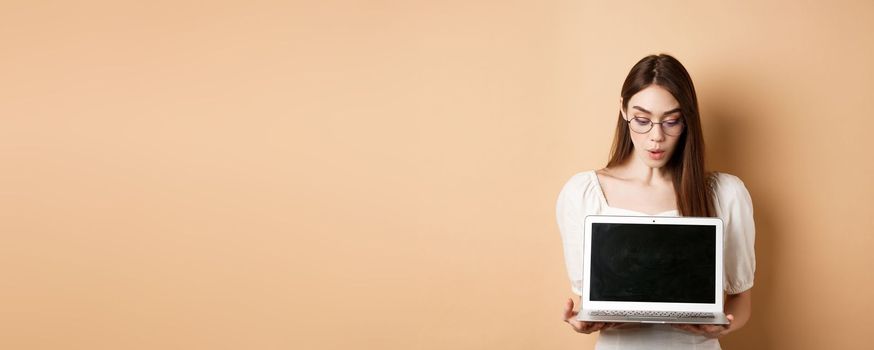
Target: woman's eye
(672,123)
(641,121)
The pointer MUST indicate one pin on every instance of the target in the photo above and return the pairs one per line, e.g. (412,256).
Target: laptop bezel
(717,306)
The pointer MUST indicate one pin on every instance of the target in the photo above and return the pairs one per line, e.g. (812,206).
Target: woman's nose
(657,134)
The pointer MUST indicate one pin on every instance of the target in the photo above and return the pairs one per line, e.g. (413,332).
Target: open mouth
(656,155)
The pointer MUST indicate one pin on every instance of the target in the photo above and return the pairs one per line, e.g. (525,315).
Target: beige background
(383,174)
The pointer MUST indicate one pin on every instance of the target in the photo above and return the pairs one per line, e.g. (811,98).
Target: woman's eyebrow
(675,110)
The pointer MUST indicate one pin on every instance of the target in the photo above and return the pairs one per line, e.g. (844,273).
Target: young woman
(656,167)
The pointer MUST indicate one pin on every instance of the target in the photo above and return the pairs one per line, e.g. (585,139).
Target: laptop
(652,269)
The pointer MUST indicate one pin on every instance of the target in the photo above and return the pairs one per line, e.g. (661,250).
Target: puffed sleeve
(735,207)
(569,213)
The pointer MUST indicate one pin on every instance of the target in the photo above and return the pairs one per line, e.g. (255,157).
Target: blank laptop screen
(653,263)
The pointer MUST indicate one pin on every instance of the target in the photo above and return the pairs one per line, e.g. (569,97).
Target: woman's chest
(644,199)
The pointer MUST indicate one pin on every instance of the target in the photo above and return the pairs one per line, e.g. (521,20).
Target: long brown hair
(692,184)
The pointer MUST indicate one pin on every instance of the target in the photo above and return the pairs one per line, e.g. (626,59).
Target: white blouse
(582,195)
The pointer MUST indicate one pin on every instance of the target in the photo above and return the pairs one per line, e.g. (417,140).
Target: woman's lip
(656,155)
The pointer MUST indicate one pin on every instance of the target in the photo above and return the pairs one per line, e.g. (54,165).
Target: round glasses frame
(674,130)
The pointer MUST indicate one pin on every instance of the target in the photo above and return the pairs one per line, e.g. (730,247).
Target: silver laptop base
(587,316)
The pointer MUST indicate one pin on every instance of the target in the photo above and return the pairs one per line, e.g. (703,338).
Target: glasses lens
(640,125)
(672,127)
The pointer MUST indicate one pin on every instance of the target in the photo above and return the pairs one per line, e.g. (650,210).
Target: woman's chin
(652,163)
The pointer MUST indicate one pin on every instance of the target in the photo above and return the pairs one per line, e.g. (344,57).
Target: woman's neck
(637,171)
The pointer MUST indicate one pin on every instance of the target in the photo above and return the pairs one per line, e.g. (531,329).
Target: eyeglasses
(640,125)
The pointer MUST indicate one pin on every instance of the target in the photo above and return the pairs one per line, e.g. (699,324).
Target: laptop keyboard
(664,314)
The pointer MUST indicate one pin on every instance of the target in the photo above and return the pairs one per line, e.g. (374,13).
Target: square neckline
(604,200)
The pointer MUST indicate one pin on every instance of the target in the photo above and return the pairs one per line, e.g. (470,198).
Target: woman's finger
(592,327)
(707,330)
(710,329)
(579,326)
(568,309)
(686,327)
(570,316)
(596,326)
(587,327)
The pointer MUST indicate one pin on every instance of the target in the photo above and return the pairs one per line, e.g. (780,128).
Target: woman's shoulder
(582,179)
(721,181)
(581,193)
(581,184)
(729,189)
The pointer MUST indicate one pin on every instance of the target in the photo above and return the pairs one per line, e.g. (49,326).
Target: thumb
(568,309)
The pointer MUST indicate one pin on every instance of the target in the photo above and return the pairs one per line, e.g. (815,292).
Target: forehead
(655,99)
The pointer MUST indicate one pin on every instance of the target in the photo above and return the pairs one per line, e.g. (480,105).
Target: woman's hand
(570,316)
(707,330)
